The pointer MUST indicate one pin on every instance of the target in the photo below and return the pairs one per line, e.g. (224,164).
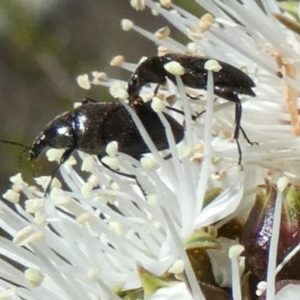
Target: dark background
(44,46)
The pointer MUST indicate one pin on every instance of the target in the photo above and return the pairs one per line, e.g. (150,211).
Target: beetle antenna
(20,157)
(181,112)
(51,178)
(63,159)
(246,137)
(26,149)
(15,144)
(194,118)
(125,175)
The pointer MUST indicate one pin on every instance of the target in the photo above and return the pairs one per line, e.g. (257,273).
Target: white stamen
(157,104)
(288,258)
(242,265)
(33,277)
(163,33)
(282,183)
(273,249)
(86,189)
(126,24)
(63,201)
(205,22)
(261,288)
(152,200)
(154,12)
(77,104)
(138,4)
(162,50)
(8,293)
(39,218)
(197,158)
(84,82)
(157,225)
(212,65)
(194,34)
(235,251)
(115,187)
(166,3)
(149,164)
(184,150)
(17,179)
(192,46)
(177,267)
(99,76)
(55,193)
(174,68)
(105,199)
(116,227)
(23,236)
(112,162)
(93,180)
(71,161)
(55,154)
(220,175)
(56,183)
(34,205)
(38,236)
(88,163)
(118,90)
(197,293)
(43,181)
(112,149)
(11,196)
(117,61)
(93,274)
(83,218)
(203,178)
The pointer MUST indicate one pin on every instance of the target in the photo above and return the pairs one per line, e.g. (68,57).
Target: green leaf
(289,6)
(150,282)
(288,22)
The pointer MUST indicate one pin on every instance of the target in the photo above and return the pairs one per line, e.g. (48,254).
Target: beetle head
(57,134)
(150,70)
(134,85)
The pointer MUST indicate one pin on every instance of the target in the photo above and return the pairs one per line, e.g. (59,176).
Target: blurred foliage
(190,6)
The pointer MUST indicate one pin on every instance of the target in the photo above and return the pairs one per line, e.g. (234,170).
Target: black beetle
(229,82)
(92,125)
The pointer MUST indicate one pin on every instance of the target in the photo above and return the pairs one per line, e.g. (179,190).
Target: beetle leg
(63,159)
(88,100)
(202,112)
(182,113)
(246,137)
(156,90)
(194,98)
(238,116)
(125,175)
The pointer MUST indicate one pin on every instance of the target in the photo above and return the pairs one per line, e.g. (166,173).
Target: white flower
(95,239)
